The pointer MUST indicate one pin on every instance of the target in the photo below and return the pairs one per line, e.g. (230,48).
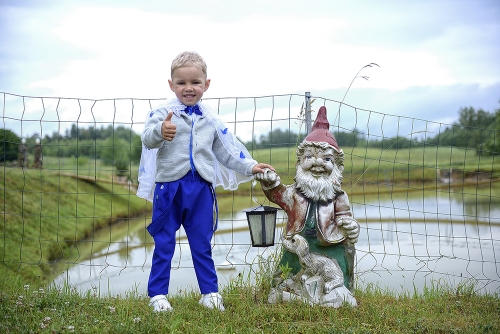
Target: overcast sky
(435,56)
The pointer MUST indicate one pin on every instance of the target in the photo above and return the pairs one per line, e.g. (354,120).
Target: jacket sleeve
(151,135)
(236,161)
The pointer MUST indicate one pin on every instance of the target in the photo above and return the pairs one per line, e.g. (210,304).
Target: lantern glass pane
(256,228)
(270,226)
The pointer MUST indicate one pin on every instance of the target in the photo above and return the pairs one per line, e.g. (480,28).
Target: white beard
(318,189)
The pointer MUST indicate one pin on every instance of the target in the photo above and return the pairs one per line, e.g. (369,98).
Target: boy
(195,153)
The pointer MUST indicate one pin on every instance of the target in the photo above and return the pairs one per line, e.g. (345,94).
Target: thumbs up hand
(168,129)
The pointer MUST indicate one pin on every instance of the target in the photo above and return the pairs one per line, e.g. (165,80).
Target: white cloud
(125,50)
(128,53)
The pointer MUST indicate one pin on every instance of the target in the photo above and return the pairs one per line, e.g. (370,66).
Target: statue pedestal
(311,291)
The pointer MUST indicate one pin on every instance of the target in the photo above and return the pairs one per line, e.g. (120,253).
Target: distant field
(415,164)
(370,166)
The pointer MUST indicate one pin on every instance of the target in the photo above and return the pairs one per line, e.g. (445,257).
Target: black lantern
(262,224)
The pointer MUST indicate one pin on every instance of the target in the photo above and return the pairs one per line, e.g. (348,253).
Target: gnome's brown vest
(296,205)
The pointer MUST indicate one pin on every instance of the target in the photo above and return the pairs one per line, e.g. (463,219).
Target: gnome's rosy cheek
(328,167)
(307,161)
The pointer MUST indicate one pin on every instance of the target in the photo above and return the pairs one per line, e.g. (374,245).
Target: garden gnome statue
(22,158)
(38,154)
(317,265)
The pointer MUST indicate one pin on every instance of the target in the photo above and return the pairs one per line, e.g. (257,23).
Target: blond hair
(188,58)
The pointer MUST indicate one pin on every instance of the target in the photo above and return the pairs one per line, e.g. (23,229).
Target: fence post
(308,112)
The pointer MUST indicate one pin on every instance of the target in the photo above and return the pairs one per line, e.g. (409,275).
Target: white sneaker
(212,300)
(160,304)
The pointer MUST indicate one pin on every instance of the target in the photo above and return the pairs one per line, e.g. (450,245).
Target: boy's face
(189,83)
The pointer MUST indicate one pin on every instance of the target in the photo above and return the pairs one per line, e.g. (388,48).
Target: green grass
(439,309)
(367,168)
(370,164)
(86,167)
(44,215)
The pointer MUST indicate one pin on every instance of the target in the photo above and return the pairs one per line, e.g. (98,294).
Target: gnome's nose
(319,161)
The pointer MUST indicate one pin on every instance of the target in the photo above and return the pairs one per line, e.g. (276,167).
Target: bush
(9,145)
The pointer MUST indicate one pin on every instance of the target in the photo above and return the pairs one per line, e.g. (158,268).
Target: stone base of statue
(312,292)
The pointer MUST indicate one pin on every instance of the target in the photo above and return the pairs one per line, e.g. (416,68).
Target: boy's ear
(207,84)
(171,84)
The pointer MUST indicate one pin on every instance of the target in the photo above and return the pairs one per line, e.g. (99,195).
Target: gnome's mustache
(318,189)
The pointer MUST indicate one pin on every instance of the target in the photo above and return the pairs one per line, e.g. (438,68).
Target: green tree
(136,148)
(394,143)
(473,130)
(122,162)
(116,152)
(346,138)
(475,126)
(9,145)
(492,145)
(279,138)
(91,142)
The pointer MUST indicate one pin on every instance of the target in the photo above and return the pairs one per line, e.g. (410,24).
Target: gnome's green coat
(316,222)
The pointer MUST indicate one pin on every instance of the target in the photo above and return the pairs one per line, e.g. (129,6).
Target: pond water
(407,241)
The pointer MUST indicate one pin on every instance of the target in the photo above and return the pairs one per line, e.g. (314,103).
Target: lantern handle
(256,201)
(254,183)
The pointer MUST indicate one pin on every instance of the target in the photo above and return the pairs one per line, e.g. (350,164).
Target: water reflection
(406,242)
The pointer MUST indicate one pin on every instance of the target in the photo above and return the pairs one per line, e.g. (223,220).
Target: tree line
(475,129)
(114,146)
(118,146)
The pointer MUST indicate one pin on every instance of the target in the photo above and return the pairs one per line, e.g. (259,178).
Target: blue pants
(188,202)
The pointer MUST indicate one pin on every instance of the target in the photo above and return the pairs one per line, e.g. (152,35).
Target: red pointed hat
(320,131)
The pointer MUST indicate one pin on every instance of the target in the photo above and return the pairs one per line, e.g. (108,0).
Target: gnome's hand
(350,227)
(268,179)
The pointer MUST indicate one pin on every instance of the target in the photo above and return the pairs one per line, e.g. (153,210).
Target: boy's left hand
(259,168)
